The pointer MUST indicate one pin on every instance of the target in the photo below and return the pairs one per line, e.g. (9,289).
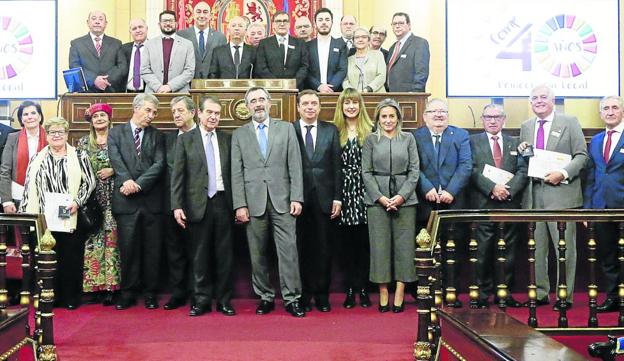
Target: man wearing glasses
(168,62)
(493,148)
(303,28)
(408,58)
(378,36)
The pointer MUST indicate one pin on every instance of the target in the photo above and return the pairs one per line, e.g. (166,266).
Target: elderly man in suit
(132,52)
(303,28)
(282,56)
(327,56)
(493,148)
(255,33)
(557,189)
(204,39)
(408,58)
(234,60)
(201,198)
(99,57)
(137,154)
(604,189)
(178,250)
(348,23)
(319,143)
(267,191)
(168,63)
(378,36)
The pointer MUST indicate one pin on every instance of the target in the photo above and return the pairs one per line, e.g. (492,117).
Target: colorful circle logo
(16,47)
(565,46)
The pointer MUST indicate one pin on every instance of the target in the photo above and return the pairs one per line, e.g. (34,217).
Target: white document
(51,212)
(497,175)
(17,192)
(545,161)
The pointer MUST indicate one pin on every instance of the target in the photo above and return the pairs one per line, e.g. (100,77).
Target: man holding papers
(498,179)
(559,188)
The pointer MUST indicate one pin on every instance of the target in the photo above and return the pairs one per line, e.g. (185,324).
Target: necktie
(497,153)
(262,139)
(607,148)
(98,45)
(309,142)
(395,55)
(539,142)
(137,140)
(436,147)
(212,168)
(282,46)
(349,43)
(202,43)
(136,68)
(236,58)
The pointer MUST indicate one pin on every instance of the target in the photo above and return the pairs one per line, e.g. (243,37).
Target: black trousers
(70,265)
(314,240)
(487,235)
(607,235)
(213,252)
(355,255)
(179,258)
(139,242)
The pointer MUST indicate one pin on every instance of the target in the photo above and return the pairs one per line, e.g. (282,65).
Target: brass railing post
(46,270)
(424,268)
(592,288)
(502,292)
(26,274)
(473,246)
(621,275)
(451,282)
(4,293)
(562,288)
(532,288)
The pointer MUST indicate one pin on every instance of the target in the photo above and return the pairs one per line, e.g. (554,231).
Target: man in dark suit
(132,52)
(327,56)
(604,189)
(234,60)
(282,56)
(378,36)
(201,199)
(348,24)
(494,149)
(179,255)
(319,143)
(408,58)
(99,56)
(303,28)
(267,191)
(137,155)
(204,39)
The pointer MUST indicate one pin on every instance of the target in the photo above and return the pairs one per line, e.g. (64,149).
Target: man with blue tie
(604,189)
(267,192)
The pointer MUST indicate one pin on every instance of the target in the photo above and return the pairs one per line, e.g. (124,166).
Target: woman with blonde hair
(354,125)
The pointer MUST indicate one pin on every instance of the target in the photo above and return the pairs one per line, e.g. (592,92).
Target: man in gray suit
(407,59)
(558,189)
(99,56)
(168,61)
(267,191)
(204,39)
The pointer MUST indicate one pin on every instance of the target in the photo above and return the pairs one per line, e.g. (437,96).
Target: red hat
(98,107)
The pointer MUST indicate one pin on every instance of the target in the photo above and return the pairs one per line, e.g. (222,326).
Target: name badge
(291,46)
(556,134)
(513,152)
(622,150)
(336,50)
(403,56)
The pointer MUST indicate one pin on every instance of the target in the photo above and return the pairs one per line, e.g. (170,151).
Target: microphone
(474,120)
(251,71)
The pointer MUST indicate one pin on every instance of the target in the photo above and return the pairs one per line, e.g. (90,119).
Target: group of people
(169,62)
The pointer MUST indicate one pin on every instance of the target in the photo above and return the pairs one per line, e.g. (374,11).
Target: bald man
(234,60)
(303,28)
(132,52)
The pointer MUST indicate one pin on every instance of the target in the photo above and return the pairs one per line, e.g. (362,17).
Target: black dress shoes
(322,304)
(349,301)
(198,310)
(174,302)
(509,302)
(295,309)
(93,298)
(226,309)
(559,304)
(609,305)
(364,299)
(397,309)
(125,303)
(539,302)
(108,299)
(480,304)
(151,303)
(383,308)
(265,307)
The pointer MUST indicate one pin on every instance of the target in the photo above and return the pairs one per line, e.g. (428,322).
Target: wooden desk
(13,332)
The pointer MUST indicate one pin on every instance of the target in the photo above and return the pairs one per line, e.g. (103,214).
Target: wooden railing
(42,266)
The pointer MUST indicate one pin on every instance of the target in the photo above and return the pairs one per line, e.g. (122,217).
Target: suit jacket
(566,136)
(146,170)
(482,186)
(181,65)
(126,51)
(8,169)
(411,68)
(336,64)
(381,158)
(454,166)
(5,130)
(323,172)
(171,139)
(270,62)
(111,62)
(604,186)
(188,184)
(372,74)
(213,40)
(256,179)
(222,66)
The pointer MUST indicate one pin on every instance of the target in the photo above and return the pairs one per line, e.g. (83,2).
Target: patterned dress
(353,208)
(101,257)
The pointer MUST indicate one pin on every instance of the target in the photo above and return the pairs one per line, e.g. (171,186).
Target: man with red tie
(407,59)
(604,188)
(492,148)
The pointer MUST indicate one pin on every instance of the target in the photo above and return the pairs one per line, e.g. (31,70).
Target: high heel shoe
(384,308)
(397,309)
(349,301)
(364,299)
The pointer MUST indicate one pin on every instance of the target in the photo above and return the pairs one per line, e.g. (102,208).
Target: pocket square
(403,56)
(513,152)
(556,134)
(622,150)
(336,50)
(291,46)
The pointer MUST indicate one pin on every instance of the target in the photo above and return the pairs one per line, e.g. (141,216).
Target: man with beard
(168,64)
(327,56)
(267,192)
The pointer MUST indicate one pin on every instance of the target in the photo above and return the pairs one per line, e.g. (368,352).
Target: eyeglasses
(361,37)
(167,21)
(284,21)
(437,112)
(398,23)
(378,33)
(539,97)
(492,117)
(57,133)
(302,26)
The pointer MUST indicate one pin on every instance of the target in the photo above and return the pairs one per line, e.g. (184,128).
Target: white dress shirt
(615,138)
(129,85)
(304,131)
(285,41)
(499,140)
(323,45)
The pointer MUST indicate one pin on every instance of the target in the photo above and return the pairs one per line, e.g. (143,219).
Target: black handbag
(90,216)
